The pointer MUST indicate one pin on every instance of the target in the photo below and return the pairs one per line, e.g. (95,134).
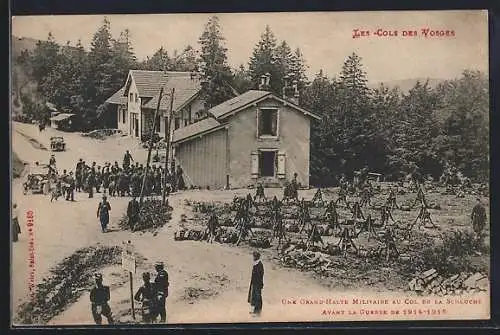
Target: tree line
(426,129)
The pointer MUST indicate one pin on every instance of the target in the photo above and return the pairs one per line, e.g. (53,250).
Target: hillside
(22,43)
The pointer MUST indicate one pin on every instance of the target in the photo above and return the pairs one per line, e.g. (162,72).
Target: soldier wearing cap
(103,213)
(99,297)
(161,282)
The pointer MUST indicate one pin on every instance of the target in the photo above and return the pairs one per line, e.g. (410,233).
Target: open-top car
(37,180)
(57,143)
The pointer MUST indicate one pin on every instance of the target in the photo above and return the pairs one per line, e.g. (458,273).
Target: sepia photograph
(231,168)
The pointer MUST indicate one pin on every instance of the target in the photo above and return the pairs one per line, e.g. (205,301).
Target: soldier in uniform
(99,297)
(478,217)
(146,294)
(103,213)
(90,182)
(70,190)
(105,178)
(180,178)
(213,223)
(98,179)
(162,284)
(133,213)
(256,285)
(52,160)
(126,160)
(78,175)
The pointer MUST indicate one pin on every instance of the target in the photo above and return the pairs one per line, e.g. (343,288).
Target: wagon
(37,181)
(57,143)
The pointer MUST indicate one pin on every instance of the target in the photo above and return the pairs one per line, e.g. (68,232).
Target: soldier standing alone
(103,213)
(256,285)
(478,218)
(99,297)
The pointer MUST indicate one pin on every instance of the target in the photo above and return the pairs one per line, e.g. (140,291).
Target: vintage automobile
(37,180)
(57,143)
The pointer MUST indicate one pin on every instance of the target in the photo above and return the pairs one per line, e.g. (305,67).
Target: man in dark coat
(16,228)
(99,297)
(70,190)
(162,284)
(478,217)
(103,213)
(146,294)
(256,285)
(133,213)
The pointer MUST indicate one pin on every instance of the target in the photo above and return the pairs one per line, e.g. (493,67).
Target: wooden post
(150,147)
(132,293)
(167,149)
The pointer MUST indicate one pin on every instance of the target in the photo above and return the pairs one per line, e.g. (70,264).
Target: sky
(325,38)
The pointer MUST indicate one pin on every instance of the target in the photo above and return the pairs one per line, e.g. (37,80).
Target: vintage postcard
(250,167)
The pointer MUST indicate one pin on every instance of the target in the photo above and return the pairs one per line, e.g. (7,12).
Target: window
(131,97)
(267,163)
(136,97)
(123,115)
(268,122)
(177,124)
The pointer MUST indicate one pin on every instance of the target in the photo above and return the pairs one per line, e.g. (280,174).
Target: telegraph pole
(150,148)
(167,150)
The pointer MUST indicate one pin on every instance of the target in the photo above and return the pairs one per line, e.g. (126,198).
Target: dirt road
(209,283)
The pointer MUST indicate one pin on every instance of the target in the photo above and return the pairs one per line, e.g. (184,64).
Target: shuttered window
(255,164)
(281,165)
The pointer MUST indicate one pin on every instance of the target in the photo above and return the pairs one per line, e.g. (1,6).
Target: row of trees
(383,129)
(396,133)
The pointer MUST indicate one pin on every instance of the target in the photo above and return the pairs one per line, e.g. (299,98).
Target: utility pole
(150,148)
(167,149)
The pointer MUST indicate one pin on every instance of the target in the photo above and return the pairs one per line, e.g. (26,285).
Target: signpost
(128,263)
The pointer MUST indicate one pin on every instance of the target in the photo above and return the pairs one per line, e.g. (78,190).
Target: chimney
(262,83)
(295,88)
(265,80)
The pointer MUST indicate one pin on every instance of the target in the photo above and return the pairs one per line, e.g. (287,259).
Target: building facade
(253,138)
(137,100)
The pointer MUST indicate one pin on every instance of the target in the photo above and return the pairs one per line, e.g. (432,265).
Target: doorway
(267,163)
(136,127)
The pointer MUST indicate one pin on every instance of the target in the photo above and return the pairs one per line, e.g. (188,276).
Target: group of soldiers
(151,295)
(129,179)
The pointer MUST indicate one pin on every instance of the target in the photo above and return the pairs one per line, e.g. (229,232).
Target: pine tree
(158,62)
(214,66)
(264,60)
(100,85)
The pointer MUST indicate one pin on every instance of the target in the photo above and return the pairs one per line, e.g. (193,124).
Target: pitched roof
(118,98)
(197,128)
(253,96)
(185,89)
(237,102)
(148,83)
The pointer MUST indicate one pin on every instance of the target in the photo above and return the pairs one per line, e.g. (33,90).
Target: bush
(454,254)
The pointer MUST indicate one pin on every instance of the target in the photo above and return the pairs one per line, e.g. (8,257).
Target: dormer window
(136,98)
(131,97)
(268,122)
